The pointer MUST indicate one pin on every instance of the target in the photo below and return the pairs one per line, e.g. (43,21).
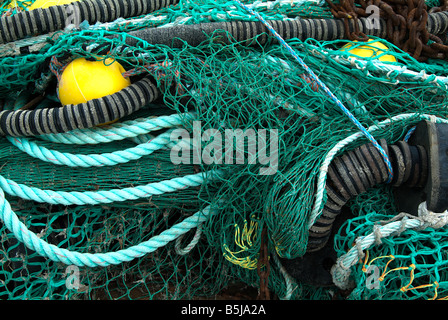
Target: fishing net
(280,126)
(407,265)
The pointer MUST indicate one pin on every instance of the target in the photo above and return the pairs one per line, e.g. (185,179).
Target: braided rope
(91,160)
(33,242)
(106,196)
(341,269)
(131,129)
(118,131)
(390,70)
(191,245)
(324,87)
(290,283)
(53,18)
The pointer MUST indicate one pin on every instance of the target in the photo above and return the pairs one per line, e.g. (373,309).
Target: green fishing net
(224,87)
(407,265)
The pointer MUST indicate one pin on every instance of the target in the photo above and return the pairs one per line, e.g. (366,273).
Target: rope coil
(33,242)
(98,160)
(106,196)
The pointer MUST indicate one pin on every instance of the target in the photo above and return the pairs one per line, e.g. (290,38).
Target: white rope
(426,219)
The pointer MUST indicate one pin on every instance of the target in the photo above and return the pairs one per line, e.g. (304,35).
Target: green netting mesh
(224,87)
(407,265)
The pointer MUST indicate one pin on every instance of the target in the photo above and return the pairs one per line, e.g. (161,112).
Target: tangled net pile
(109,203)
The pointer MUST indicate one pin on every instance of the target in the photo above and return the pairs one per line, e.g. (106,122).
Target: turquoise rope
(91,160)
(118,131)
(323,86)
(106,196)
(191,245)
(129,130)
(33,242)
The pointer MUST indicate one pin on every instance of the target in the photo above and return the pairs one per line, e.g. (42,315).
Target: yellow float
(370,49)
(40,3)
(83,80)
(49,3)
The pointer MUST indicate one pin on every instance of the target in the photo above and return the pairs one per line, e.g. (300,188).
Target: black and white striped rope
(46,20)
(246,31)
(83,115)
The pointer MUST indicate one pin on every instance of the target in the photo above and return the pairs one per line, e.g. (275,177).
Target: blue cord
(409,134)
(323,86)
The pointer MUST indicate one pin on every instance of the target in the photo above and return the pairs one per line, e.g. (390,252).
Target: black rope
(360,169)
(41,21)
(246,31)
(83,115)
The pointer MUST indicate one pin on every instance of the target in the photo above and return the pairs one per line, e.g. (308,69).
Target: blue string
(324,87)
(409,134)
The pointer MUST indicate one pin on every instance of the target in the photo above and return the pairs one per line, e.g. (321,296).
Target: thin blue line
(409,134)
(324,87)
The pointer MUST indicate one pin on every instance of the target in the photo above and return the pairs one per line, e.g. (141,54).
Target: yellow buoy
(49,3)
(38,3)
(371,49)
(84,80)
